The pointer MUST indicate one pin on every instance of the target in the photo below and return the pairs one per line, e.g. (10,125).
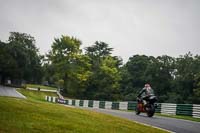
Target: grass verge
(36,95)
(30,115)
(41,86)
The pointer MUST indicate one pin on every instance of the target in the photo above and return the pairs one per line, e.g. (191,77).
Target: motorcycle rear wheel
(137,112)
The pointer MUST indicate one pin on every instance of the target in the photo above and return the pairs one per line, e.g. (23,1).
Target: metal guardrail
(163,108)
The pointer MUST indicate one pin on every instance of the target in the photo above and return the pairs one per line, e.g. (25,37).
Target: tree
(7,63)
(133,76)
(164,67)
(70,65)
(141,69)
(23,58)
(99,49)
(196,90)
(103,84)
(97,52)
(184,77)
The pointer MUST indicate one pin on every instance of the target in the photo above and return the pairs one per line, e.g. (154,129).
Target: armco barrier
(123,105)
(73,102)
(85,103)
(131,105)
(168,108)
(115,105)
(196,111)
(158,109)
(77,102)
(108,105)
(96,104)
(81,103)
(163,108)
(90,103)
(184,109)
(66,102)
(102,104)
(69,102)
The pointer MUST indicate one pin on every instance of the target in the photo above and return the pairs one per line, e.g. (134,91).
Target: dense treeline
(174,80)
(93,73)
(19,59)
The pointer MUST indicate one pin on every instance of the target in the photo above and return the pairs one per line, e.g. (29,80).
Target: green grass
(36,95)
(41,86)
(31,115)
(180,117)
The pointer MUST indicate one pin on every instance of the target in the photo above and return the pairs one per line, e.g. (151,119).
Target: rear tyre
(137,112)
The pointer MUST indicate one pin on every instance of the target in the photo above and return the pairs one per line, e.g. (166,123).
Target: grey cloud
(153,27)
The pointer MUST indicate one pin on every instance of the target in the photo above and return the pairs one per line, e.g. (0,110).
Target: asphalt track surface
(11,92)
(170,124)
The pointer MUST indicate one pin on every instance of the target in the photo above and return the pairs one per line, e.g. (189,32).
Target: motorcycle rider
(146,92)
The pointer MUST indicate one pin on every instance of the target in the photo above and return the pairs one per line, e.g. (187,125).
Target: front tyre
(151,111)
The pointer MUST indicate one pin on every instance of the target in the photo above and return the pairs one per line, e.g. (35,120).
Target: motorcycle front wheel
(151,111)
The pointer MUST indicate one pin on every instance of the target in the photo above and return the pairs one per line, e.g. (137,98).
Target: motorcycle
(148,108)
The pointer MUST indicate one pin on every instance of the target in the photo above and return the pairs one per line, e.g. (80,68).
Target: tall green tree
(70,64)
(8,65)
(196,90)
(184,77)
(103,84)
(24,59)
(163,76)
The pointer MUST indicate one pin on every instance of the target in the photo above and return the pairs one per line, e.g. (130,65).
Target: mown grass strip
(36,95)
(40,86)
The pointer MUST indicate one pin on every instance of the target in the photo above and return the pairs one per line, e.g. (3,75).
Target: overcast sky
(150,27)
